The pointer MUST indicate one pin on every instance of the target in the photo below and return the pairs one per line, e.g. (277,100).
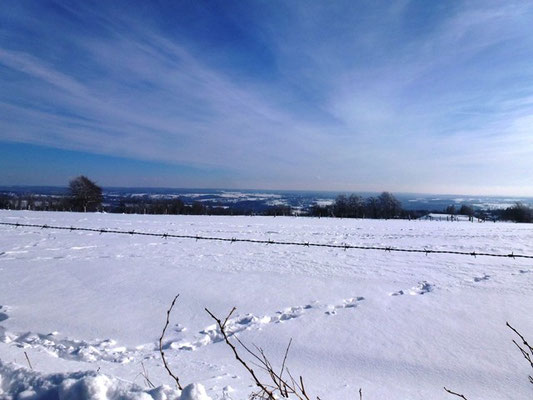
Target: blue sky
(406,96)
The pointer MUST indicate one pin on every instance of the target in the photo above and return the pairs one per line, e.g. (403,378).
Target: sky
(405,96)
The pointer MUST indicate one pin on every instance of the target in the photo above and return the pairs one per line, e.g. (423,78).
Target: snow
(446,217)
(21,383)
(88,309)
(324,202)
(277,202)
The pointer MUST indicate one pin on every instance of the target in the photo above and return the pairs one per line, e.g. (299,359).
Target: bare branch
(271,389)
(303,387)
(146,378)
(221,326)
(285,358)
(455,394)
(527,350)
(228,317)
(161,344)
(28,360)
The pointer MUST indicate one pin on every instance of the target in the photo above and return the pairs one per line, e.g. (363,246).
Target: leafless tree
(85,195)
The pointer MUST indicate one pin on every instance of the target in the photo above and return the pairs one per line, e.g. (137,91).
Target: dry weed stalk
(147,380)
(527,350)
(278,385)
(455,394)
(28,360)
(161,344)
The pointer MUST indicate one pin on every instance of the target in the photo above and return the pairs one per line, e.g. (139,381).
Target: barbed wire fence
(343,246)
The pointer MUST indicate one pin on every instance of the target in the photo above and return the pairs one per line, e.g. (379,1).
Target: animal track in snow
(3,317)
(346,303)
(522,272)
(78,350)
(423,287)
(69,349)
(290,313)
(108,350)
(212,334)
(485,277)
(3,313)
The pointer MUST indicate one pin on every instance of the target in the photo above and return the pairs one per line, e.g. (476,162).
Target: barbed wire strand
(269,241)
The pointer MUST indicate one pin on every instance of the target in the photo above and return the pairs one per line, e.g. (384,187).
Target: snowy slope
(400,326)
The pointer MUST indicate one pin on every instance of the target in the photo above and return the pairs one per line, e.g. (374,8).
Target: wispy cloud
(382,96)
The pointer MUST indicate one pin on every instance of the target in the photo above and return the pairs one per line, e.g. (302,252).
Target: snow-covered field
(400,326)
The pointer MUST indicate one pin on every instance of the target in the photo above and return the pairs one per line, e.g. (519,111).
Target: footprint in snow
(212,334)
(346,303)
(485,277)
(288,314)
(423,287)
(398,293)
(3,313)
(71,349)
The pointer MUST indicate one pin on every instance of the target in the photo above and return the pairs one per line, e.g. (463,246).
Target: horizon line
(277,190)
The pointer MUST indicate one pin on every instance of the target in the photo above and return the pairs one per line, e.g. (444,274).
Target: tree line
(463,210)
(519,212)
(385,206)
(84,195)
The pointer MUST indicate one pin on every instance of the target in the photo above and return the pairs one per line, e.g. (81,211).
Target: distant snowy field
(400,326)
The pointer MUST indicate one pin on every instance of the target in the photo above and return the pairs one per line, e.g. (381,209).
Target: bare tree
(450,210)
(356,206)
(340,207)
(85,195)
(389,205)
(519,212)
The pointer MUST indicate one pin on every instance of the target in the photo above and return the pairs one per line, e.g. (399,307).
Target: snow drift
(18,383)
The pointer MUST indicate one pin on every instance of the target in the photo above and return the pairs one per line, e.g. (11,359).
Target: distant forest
(386,206)
(85,195)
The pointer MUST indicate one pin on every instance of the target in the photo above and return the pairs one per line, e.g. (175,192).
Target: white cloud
(412,113)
